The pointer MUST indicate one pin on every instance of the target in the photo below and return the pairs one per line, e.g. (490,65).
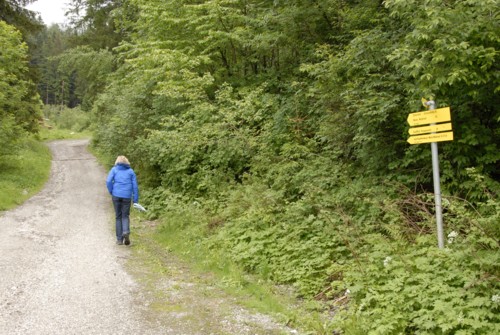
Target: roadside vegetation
(26,168)
(64,123)
(271,137)
(24,163)
(22,175)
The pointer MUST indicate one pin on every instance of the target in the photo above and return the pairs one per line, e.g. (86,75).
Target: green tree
(452,53)
(49,43)
(445,50)
(19,107)
(88,69)
(14,13)
(100,24)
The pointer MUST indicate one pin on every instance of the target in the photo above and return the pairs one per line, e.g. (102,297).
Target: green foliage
(9,132)
(447,50)
(24,174)
(73,119)
(427,291)
(19,106)
(451,53)
(410,286)
(273,134)
(94,22)
(88,69)
(13,12)
(53,85)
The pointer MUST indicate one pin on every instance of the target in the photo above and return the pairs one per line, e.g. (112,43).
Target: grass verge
(47,134)
(24,174)
(185,297)
(185,240)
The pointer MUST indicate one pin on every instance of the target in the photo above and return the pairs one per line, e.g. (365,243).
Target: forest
(273,135)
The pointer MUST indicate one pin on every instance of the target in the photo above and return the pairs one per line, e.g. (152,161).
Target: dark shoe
(126,240)
(119,242)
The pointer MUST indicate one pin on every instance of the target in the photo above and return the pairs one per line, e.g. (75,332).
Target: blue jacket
(122,182)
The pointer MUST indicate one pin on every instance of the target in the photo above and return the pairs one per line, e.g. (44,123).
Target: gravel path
(61,272)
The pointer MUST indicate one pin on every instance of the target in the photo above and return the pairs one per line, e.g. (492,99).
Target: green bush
(424,290)
(392,274)
(74,119)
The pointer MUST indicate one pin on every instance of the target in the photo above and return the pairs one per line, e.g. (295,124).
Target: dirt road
(61,272)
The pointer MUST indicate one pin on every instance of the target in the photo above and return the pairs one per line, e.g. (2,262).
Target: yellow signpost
(430,116)
(434,131)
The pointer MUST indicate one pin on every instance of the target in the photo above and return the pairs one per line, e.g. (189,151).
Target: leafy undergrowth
(175,235)
(420,289)
(188,296)
(65,123)
(23,174)
(385,277)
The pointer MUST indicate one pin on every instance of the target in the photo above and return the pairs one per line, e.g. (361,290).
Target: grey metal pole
(437,186)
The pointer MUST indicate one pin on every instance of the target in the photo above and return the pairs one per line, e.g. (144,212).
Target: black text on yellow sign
(430,129)
(428,117)
(434,130)
(429,138)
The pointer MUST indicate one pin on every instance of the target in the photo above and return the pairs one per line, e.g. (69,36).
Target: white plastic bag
(139,207)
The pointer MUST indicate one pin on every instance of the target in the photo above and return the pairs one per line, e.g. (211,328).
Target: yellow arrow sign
(424,102)
(428,117)
(428,138)
(430,129)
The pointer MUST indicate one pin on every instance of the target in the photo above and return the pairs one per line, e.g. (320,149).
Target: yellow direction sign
(424,102)
(428,117)
(428,138)
(430,129)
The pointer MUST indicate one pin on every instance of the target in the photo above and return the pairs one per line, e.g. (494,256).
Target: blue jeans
(122,212)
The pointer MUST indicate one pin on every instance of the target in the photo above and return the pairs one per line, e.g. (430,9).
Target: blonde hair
(122,159)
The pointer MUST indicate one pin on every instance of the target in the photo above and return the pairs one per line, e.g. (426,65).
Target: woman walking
(122,185)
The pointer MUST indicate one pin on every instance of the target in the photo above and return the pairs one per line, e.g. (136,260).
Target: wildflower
(452,236)
(347,292)
(387,260)
(495,298)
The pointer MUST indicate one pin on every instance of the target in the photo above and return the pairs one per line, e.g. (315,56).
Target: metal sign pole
(437,185)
